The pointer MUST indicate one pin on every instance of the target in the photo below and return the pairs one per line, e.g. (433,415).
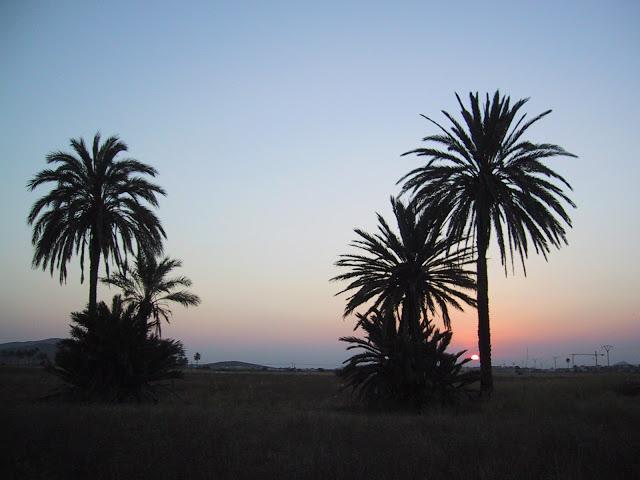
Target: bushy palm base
(395,369)
(112,356)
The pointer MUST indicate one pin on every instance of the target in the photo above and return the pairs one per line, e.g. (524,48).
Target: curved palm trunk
(484,331)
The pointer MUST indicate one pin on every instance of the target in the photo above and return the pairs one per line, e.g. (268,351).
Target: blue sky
(277,127)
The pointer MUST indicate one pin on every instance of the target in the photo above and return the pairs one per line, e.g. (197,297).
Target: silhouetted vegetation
(113,356)
(408,277)
(483,177)
(402,371)
(148,289)
(97,203)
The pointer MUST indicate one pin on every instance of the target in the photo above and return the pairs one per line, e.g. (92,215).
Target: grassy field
(276,425)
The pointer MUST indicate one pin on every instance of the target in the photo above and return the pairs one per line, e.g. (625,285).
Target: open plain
(297,425)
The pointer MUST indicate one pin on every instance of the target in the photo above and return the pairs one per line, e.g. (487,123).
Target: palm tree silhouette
(416,272)
(148,289)
(112,356)
(401,369)
(97,203)
(483,176)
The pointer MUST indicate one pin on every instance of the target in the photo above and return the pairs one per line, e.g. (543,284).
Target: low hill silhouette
(235,365)
(9,352)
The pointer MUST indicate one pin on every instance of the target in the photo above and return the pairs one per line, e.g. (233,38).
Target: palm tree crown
(98,203)
(487,175)
(417,271)
(482,176)
(147,287)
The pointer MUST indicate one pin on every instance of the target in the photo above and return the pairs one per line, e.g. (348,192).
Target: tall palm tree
(485,177)
(148,289)
(97,203)
(415,273)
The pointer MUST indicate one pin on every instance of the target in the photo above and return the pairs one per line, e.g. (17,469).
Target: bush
(113,356)
(396,369)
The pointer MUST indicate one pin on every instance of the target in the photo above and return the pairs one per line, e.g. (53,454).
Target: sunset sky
(277,127)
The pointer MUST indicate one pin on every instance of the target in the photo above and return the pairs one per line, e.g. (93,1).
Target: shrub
(396,369)
(113,356)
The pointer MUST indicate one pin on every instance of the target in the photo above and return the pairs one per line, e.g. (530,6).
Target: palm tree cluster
(113,356)
(481,177)
(404,280)
(103,205)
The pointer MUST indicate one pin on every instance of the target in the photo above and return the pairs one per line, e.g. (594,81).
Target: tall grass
(297,426)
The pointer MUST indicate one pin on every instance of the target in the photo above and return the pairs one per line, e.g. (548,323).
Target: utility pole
(555,360)
(607,348)
(595,355)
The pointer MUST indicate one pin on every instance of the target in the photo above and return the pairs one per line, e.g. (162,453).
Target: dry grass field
(294,425)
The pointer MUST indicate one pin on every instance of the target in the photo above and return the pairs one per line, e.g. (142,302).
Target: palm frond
(414,270)
(146,287)
(482,164)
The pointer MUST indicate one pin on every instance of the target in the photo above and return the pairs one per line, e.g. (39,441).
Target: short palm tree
(148,289)
(485,177)
(97,203)
(400,370)
(417,272)
(112,356)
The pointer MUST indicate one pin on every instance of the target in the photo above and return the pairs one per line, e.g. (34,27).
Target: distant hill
(233,365)
(47,346)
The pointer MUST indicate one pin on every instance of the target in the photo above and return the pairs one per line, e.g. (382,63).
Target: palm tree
(417,271)
(97,203)
(401,370)
(484,176)
(112,356)
(148,289)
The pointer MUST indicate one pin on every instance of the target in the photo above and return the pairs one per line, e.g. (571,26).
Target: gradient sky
(277,127)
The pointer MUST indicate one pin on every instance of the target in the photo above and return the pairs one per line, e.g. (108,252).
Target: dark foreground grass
(297,426)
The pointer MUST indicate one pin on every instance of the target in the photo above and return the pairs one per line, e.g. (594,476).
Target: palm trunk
(410,319)
(484,331)
(95,246)
(144,314)
(93,275)
(389,319)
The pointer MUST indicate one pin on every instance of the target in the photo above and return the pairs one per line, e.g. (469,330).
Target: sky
(277,128)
